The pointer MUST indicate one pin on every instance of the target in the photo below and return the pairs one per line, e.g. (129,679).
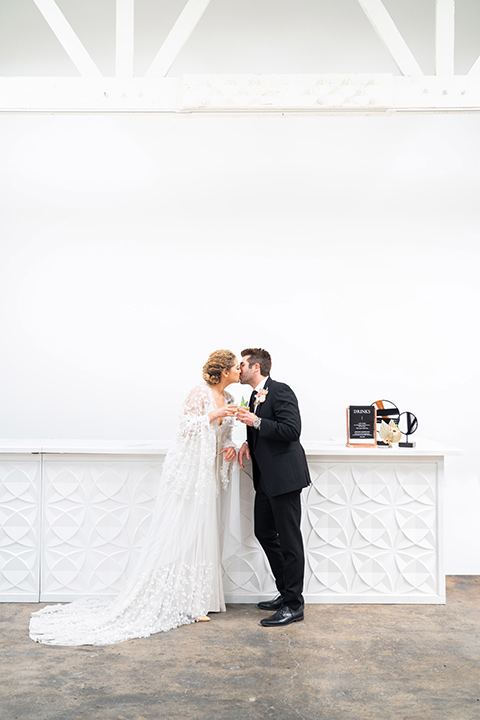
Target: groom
(280,472)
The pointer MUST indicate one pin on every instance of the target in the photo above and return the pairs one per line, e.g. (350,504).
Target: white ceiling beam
(78,94)
(390,35)
(444,37)
(124,38)
(186,23)
(67,38)
(337,94)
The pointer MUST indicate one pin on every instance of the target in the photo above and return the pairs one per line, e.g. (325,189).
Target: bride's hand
(230,453)
(222,412)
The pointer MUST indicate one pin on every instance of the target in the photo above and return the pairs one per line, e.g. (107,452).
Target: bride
(178,577)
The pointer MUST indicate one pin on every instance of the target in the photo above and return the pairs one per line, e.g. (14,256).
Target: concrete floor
(344,662)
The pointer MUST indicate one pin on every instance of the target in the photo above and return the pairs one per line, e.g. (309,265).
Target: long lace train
(178,576)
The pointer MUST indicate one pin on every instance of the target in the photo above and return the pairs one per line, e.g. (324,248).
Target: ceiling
(235,36)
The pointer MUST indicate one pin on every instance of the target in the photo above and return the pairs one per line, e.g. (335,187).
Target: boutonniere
(260,396)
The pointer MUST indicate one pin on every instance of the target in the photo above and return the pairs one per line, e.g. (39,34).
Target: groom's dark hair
(260,356)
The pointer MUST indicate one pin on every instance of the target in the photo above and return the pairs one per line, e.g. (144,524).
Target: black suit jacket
(275,448)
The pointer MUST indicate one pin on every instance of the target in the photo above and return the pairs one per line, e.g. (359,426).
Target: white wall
(132,246)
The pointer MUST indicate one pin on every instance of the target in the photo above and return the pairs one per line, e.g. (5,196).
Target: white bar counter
(73,515)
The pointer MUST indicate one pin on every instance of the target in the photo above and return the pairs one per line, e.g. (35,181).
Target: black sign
(361,425)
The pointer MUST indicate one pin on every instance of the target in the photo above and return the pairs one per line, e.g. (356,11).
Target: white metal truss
(178,36)
(412,91)
(124,38)
(389,33)
(444,37)
(67,38)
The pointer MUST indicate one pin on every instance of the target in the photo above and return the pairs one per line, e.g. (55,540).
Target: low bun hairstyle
(217,361)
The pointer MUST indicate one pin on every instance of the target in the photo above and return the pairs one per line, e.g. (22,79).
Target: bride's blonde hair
(217,361)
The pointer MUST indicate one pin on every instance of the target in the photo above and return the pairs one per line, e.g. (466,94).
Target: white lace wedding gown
(178,576)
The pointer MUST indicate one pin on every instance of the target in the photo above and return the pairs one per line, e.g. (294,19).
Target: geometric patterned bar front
(20,502)
(372,534)
(97,512)
(372,528)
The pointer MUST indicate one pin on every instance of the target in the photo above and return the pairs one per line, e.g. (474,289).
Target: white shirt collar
(261,384)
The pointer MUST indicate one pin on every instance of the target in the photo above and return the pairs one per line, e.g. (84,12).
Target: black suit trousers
(277,529)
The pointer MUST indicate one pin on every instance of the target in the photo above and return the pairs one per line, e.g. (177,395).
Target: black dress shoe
(274,604)
(284,616)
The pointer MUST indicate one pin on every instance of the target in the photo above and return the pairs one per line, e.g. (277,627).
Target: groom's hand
(246,417)
(244,451)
